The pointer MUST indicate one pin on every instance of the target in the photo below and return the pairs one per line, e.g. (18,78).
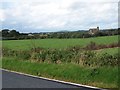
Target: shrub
(88,58)
(25,55)
(91,46)
(72,55)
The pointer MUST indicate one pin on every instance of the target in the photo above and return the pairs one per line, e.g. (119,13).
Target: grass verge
(103,77)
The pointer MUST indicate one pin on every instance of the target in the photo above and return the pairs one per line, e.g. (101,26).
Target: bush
(19,54)
(71,55)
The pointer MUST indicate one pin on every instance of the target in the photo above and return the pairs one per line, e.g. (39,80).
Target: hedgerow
(70,55)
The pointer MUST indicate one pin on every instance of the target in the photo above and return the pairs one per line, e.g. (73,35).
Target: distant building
(30,35)
(93,30)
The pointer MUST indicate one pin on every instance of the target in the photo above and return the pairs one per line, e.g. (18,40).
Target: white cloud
(62,14)
(2,15)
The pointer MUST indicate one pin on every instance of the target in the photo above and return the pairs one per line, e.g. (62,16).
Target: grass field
(105,76)
(67,72)
(56,43)
(108,50)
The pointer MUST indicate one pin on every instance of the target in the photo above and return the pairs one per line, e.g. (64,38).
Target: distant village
(92,32)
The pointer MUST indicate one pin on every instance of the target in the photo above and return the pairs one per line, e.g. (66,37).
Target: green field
(108,50)
(84,67)
(56,43)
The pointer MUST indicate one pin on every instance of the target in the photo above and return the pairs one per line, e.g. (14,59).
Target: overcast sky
(57,15)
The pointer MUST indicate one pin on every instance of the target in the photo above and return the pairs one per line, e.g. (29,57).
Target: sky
(58,15)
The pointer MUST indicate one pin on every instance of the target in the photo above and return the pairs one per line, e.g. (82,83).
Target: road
(15,80)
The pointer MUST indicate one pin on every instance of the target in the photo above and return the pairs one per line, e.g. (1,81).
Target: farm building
(93,30)
(30,35)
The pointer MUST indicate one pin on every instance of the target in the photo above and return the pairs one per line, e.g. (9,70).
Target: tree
(14,33)
(5,32)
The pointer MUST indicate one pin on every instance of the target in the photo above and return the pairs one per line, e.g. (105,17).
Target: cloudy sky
(57,15)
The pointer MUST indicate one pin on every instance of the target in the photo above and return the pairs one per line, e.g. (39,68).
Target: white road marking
(64,82)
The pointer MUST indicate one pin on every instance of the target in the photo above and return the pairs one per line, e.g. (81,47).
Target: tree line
(16,35)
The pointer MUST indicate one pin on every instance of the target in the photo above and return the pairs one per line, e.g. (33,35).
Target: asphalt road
(14,80)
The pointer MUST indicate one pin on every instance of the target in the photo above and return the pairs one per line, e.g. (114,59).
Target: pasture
(63,62)
(56,43)
(108,50)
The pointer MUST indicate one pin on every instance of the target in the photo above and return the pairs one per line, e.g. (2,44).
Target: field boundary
(54,80)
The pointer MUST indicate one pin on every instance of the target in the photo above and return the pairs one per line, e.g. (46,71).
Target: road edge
(60,81)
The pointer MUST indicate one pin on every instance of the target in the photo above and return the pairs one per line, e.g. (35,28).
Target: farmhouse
(93,30)
(30,35)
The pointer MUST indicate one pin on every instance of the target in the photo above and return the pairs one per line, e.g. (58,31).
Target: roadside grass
(103,77)
(56,43)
